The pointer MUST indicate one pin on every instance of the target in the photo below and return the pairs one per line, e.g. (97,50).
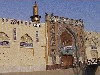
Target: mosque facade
(58,43)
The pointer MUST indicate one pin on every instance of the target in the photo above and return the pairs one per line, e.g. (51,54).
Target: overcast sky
(89,11)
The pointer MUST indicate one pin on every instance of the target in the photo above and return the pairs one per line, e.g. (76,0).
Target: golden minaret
(35,17)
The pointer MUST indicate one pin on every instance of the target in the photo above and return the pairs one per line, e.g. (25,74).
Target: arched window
(26,41)
(4,39)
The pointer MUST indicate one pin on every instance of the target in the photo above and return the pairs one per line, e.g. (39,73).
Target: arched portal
(67,43)
(68,47)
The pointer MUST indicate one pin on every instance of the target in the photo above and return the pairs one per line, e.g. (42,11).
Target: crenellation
(19,22)
(63,20)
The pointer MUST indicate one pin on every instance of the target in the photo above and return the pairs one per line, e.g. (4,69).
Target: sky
(87,10)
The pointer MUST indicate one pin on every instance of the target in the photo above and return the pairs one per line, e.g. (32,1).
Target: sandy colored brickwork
(15,58)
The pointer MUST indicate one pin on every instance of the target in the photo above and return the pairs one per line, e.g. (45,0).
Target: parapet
(20,22)
(68,21)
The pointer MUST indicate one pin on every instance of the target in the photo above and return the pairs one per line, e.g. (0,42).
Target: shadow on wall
(90,70)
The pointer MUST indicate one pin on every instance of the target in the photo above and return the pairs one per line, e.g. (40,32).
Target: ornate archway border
(74,36)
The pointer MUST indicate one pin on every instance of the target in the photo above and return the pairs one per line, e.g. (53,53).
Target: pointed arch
(26,41)
(66,39)
(4,39)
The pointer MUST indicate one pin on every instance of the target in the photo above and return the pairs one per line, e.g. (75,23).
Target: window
(4,43)
(6,20)
(26,41)
(14,33)
(37,39)
(13,21)
(18,22)
(25,44)
(36,33)
(25,23)
(93,47)
(86,38)
(2,20)
(21,22)
(29,23)
(35,25)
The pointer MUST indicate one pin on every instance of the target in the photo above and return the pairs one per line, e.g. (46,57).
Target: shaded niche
(26,41)
(4,39)
(66,43)
(66,39)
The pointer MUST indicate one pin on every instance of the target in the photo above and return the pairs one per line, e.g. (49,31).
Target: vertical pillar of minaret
(35,17)
(35,9)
